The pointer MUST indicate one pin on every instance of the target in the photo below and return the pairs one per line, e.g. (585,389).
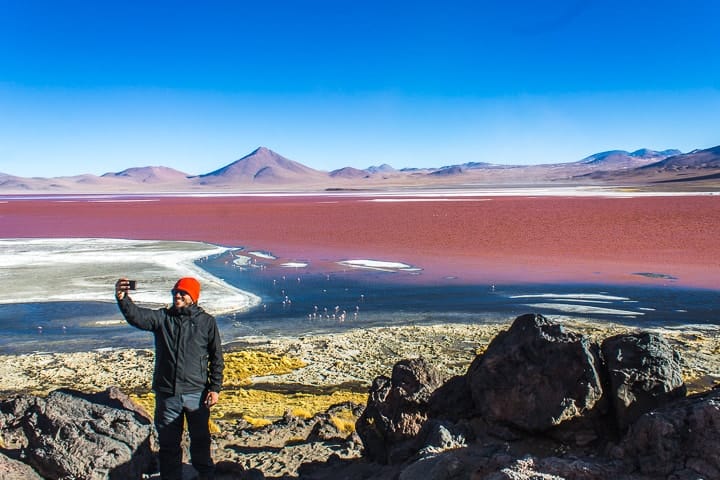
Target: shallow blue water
(297,303)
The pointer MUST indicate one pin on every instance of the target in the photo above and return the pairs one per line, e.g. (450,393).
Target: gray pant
(170,412)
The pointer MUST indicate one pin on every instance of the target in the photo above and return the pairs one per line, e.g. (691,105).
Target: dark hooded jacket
(188,351)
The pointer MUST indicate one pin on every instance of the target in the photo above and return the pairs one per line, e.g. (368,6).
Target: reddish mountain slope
(149,175)
(261,166)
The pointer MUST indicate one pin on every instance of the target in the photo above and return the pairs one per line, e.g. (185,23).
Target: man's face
(181,299)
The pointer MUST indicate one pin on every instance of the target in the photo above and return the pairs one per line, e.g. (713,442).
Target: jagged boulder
(552,468)
(452,400)
(680,439)
(397,410)
(326,430)
(535,376)
(373,426)
(644,373)
(11,469)
(70,434)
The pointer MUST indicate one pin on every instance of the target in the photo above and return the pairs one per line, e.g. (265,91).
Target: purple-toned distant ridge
(266,170)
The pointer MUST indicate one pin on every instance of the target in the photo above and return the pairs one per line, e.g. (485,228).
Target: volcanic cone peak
(261,164)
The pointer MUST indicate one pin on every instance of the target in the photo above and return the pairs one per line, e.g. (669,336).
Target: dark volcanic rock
(15,470)
(452,400)
(68,435)
(682,439)
(373,426)
(324,429)
(644,372)
(397,410)
(550,468)
(414,381)
(536,376)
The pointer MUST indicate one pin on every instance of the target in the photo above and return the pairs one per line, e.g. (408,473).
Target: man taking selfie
(188,372)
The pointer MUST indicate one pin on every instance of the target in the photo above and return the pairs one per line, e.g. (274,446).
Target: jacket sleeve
(142,318)
(215,357)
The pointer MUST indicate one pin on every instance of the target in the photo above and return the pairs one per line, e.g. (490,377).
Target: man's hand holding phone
(122,286)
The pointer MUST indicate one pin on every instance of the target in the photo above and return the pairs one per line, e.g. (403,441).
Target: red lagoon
(470,239)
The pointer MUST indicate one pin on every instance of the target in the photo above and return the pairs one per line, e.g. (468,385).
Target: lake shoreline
(261,296)
(269,379)
(331,359)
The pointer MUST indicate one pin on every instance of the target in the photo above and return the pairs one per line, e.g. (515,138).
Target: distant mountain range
(266,170)
(623,159)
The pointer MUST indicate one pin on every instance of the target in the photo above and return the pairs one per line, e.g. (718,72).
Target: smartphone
(132,284)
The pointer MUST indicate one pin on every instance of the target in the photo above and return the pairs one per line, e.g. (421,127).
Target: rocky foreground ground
(291,404)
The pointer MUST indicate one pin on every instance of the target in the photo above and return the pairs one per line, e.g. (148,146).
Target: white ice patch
(294,265)
(129,200)
(264,255)
(379,265)
(587,309)
(574,296)
(105,323)
(242,260)
(407,200)
(85,270)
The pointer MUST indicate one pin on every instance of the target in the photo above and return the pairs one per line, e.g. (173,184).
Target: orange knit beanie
(189,285)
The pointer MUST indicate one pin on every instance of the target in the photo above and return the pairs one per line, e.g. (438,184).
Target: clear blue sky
(99,86)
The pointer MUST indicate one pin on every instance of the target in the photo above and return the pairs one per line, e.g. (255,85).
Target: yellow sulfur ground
(258,404)
(239,400)
(240,366)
